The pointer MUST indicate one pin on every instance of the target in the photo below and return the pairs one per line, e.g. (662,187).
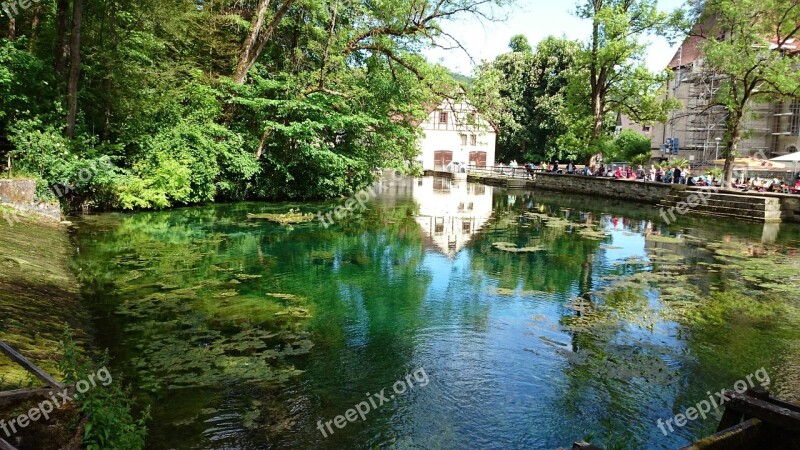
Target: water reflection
(540,318)
(451,211)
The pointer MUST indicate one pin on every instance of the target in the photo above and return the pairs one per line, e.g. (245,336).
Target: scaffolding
(702,124)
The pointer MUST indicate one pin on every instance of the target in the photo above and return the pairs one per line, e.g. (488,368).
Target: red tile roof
(692,47)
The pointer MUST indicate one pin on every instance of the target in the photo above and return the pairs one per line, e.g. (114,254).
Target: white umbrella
(791,157)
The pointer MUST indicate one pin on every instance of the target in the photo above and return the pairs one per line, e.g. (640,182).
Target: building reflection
(451,211)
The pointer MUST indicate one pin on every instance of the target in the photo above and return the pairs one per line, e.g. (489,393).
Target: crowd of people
(675,174)
(658,174)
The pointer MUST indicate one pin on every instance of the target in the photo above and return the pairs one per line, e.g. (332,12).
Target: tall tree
(524,93)
(258,37)
(614,56)
(751,44)
(62,33)
(74,67)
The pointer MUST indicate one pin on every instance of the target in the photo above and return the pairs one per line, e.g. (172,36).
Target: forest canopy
(196,101)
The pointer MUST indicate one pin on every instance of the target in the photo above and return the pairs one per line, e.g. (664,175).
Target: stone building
(699,128)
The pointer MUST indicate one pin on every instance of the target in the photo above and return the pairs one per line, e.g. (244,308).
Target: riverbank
(39,299)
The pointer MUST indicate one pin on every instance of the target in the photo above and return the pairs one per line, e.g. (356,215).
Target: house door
(441,158)
(477,159)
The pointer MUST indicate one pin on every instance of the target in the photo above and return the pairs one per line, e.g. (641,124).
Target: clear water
(240,333)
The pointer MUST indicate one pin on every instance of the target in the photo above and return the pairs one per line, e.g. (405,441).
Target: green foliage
(524,93)
(43,153)
(641,159)
(612,67)
(26,85)
(106,405)
(519,43)
(741,49)
(336,92)
(630,145)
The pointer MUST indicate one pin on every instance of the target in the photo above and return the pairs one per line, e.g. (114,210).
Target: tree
(617,78)
(523,92)
(519,44)
(260,99)
(745,42)
(629,145)
(258,37)
(74,67)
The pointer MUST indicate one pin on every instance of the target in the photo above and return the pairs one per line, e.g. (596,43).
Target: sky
(535,19)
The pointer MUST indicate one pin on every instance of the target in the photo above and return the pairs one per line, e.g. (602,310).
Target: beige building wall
(456,132)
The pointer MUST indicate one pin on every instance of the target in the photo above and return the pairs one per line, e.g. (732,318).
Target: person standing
(676,175)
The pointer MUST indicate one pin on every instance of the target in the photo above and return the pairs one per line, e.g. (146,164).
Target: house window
(463,140)
(472,118)
(473,140)
(443,117)
(646,129)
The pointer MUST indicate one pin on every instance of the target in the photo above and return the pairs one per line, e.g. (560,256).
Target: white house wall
(447,135)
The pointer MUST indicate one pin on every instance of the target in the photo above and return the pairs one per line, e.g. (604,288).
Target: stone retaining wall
(636,191)
(20,195)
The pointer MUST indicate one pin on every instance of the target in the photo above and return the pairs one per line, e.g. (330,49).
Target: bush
(110,424)
(630,145)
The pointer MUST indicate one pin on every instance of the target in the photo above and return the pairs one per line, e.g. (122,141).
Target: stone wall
(20,195)
(635,191)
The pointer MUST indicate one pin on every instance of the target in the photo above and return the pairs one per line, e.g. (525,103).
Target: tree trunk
(12,29)
(735,135)
(249,55)
(325,54)
(62,45)
(37,12)
(252,40)
(598,105)
(74,67)
(261,145)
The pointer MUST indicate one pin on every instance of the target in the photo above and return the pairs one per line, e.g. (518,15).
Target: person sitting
(796,188)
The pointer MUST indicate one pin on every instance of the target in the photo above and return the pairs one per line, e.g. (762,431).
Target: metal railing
(516,172)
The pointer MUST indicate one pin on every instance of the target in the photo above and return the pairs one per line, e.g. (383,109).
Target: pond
(443,314)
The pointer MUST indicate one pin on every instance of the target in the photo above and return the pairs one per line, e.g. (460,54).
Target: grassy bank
(39,297)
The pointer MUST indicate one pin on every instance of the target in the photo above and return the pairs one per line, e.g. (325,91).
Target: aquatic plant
(292,217)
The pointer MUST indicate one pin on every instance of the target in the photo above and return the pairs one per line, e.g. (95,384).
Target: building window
(463,140)
(646,129)
(473,140)
(472,118)
(443,117)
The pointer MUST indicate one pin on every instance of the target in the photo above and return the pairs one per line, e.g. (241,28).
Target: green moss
(38,297)
(293,216)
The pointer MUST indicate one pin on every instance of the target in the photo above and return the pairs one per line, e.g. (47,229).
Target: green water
(536,319)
